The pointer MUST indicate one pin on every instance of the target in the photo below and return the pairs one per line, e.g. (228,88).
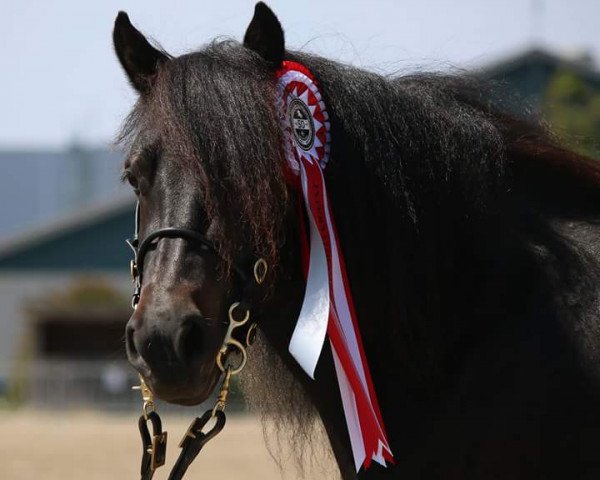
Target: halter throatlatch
(231,359)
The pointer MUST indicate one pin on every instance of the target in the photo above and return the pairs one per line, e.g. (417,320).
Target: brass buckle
(133,270)
(158,450)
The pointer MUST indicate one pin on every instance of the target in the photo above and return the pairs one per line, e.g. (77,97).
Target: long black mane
(469,237)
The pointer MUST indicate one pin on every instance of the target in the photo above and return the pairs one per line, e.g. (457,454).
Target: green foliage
(86,292)
(572,107)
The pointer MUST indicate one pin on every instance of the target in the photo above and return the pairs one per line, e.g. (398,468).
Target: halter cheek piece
(154,446)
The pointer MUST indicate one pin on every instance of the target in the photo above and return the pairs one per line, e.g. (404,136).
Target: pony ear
(265,35)
(139,59)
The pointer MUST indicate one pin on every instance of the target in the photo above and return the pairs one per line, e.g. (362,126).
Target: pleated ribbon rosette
(327,309)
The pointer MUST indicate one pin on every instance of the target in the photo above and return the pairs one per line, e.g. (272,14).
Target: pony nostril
(130,343)
(191,340)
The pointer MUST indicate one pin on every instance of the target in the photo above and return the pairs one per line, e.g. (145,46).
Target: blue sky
(60,80)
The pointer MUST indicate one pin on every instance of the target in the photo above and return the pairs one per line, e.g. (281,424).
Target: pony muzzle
(175,353)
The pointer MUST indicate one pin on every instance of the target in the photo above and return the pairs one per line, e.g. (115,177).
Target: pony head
(204,155)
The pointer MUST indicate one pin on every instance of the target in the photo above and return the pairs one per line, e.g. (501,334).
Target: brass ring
(260,270)
(233,320)
(218,407)
(148,408)
(251,335)
(223,351)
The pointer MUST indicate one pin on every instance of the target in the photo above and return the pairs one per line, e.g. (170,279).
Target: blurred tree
(572,107)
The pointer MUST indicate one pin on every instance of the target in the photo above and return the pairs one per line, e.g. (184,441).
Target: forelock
(215,110)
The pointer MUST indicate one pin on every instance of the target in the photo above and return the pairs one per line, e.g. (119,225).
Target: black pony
(470,237)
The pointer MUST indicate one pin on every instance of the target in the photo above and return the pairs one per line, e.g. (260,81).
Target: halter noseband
(154,446)
(140,249)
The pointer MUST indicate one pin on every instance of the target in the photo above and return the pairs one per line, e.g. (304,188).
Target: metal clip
(147,396)
(223,393)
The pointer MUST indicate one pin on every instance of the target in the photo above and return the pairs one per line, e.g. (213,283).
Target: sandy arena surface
(95,446)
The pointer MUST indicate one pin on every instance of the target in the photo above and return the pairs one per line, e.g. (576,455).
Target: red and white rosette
(327,308)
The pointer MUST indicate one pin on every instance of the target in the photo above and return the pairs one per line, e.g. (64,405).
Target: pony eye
(130,178)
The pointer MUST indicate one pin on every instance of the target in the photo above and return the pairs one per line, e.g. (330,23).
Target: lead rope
(154,447)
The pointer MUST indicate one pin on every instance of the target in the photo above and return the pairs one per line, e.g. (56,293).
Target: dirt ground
(95,446)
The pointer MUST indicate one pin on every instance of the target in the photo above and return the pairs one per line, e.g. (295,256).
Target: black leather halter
(154,446)
(140,249)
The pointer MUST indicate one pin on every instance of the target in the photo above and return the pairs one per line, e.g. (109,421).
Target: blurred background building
(64,300)
(563,89)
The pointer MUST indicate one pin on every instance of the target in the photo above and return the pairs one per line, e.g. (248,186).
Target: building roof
(578,62)
(37,186)
(91,239)
(523,79)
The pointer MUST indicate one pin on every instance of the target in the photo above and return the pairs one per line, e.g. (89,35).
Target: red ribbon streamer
(372,431)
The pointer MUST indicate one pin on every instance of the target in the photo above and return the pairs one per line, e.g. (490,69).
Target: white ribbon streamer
(309,335)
